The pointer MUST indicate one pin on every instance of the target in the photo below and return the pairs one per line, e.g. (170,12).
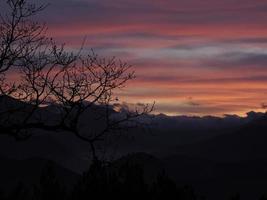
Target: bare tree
(78,87)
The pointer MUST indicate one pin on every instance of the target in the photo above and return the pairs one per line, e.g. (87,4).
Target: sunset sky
(193,57)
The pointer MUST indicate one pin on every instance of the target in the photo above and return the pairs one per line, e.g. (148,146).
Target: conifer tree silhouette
(20,192)
(49,187)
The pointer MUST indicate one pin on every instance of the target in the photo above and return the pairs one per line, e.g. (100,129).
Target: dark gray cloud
(194,80)
(158,11)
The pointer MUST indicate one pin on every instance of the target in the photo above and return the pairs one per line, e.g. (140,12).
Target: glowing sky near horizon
(193,57)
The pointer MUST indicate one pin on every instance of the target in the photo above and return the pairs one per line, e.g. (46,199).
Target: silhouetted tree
(118,181)
(102,182)
(19,37)
(127,182)
(94,183)
(2,195)
(20,192)
(166,188)
(133,184)
(235,197)
(49,186)
(263,197)
(163,187)
(49,75)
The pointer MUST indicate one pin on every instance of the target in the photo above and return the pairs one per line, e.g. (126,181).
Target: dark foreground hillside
(184,158)
(126,178)
(225,164)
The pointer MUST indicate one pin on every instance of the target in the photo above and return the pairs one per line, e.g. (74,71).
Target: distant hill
(249,142)
(29,171)
(216,155)
(219,180)
(160,138)
(226,164)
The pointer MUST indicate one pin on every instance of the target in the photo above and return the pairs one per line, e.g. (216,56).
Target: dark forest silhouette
(101,182)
